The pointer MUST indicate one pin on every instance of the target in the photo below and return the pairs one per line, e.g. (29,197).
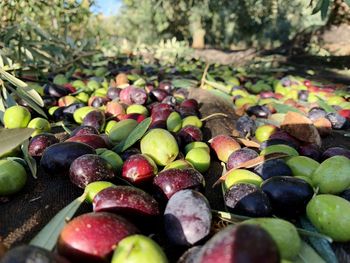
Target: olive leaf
(184,83)
(321,245)
(48,236)
(324,105)
(11,138)
(283,108)
(29,159)
(308,255)
(229,217)
(222,95)
(134,136)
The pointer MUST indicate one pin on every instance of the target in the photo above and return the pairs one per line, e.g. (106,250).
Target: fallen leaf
(247,143)
(324,126)
(301,128)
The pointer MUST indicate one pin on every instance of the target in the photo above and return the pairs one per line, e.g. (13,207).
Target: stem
(314,234)
(204,75)
(214,115)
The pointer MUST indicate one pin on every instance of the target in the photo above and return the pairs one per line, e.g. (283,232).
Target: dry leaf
(252,163)
(301,128)
(247,143)
(324,126)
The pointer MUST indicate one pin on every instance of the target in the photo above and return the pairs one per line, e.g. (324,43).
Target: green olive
(13,177)
(16,117)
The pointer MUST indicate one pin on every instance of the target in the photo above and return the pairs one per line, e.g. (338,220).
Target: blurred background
(41,34)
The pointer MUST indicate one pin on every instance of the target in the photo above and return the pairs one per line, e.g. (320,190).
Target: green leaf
(324,105)
(184,83)
(9,100)
(220,86)
(308,255)
(282,108)
(47,237)
(321,245)
(134,136)
(29,159)
(324,9)
(222,95)
(23,87)
(30,102)
(318,6)
(11,138)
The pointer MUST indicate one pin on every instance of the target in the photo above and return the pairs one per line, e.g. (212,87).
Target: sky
(107,7)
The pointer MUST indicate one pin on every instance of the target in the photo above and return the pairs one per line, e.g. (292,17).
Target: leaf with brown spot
(252,163)
(301,128)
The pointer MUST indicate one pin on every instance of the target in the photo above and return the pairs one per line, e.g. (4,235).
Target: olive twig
(214,115)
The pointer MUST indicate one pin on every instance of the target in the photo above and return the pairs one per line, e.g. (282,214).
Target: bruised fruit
(89,168)
(170,181)
(288,195)
(224,145)
(240,156)
(332,176)
(125,200)
(240,243)
(93,140)
(92,237)
(16,117)
(13,177)
(40,142)
(57,158)
(302,165)
(139,168)
(92,189)
(29,253)
(330,214)
(199,158)
(138,248)
(283,233)
(187,218)
(160,145)
(248,200)
(121,130)
(270,168)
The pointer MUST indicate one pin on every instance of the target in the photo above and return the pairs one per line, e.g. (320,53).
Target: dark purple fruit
(125,200)
(338,122)
(57,158)
(288,195)
(113,93)
(190,103)
(167,86)
(258,111)
(139,96)
(31,254)
(160,124)
(240,156)
(333,151)
(95,119)
(187,111)
(139,168)
(275,167)
(303,95)
(316,113)
(247,200)
(170,181)
(160,115)
(345,194)
(240,244)
(90,168)
(84,130)
(158,95)
(245,126)
(58,114)
(97,101)
(92,237)
(69,110)
(171,100)
(190,133)
(55,90)
(187,218)
(129,152)
(40,142)
(48,101)
(310,150)
(93,140)
(190,255)
(154,107)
